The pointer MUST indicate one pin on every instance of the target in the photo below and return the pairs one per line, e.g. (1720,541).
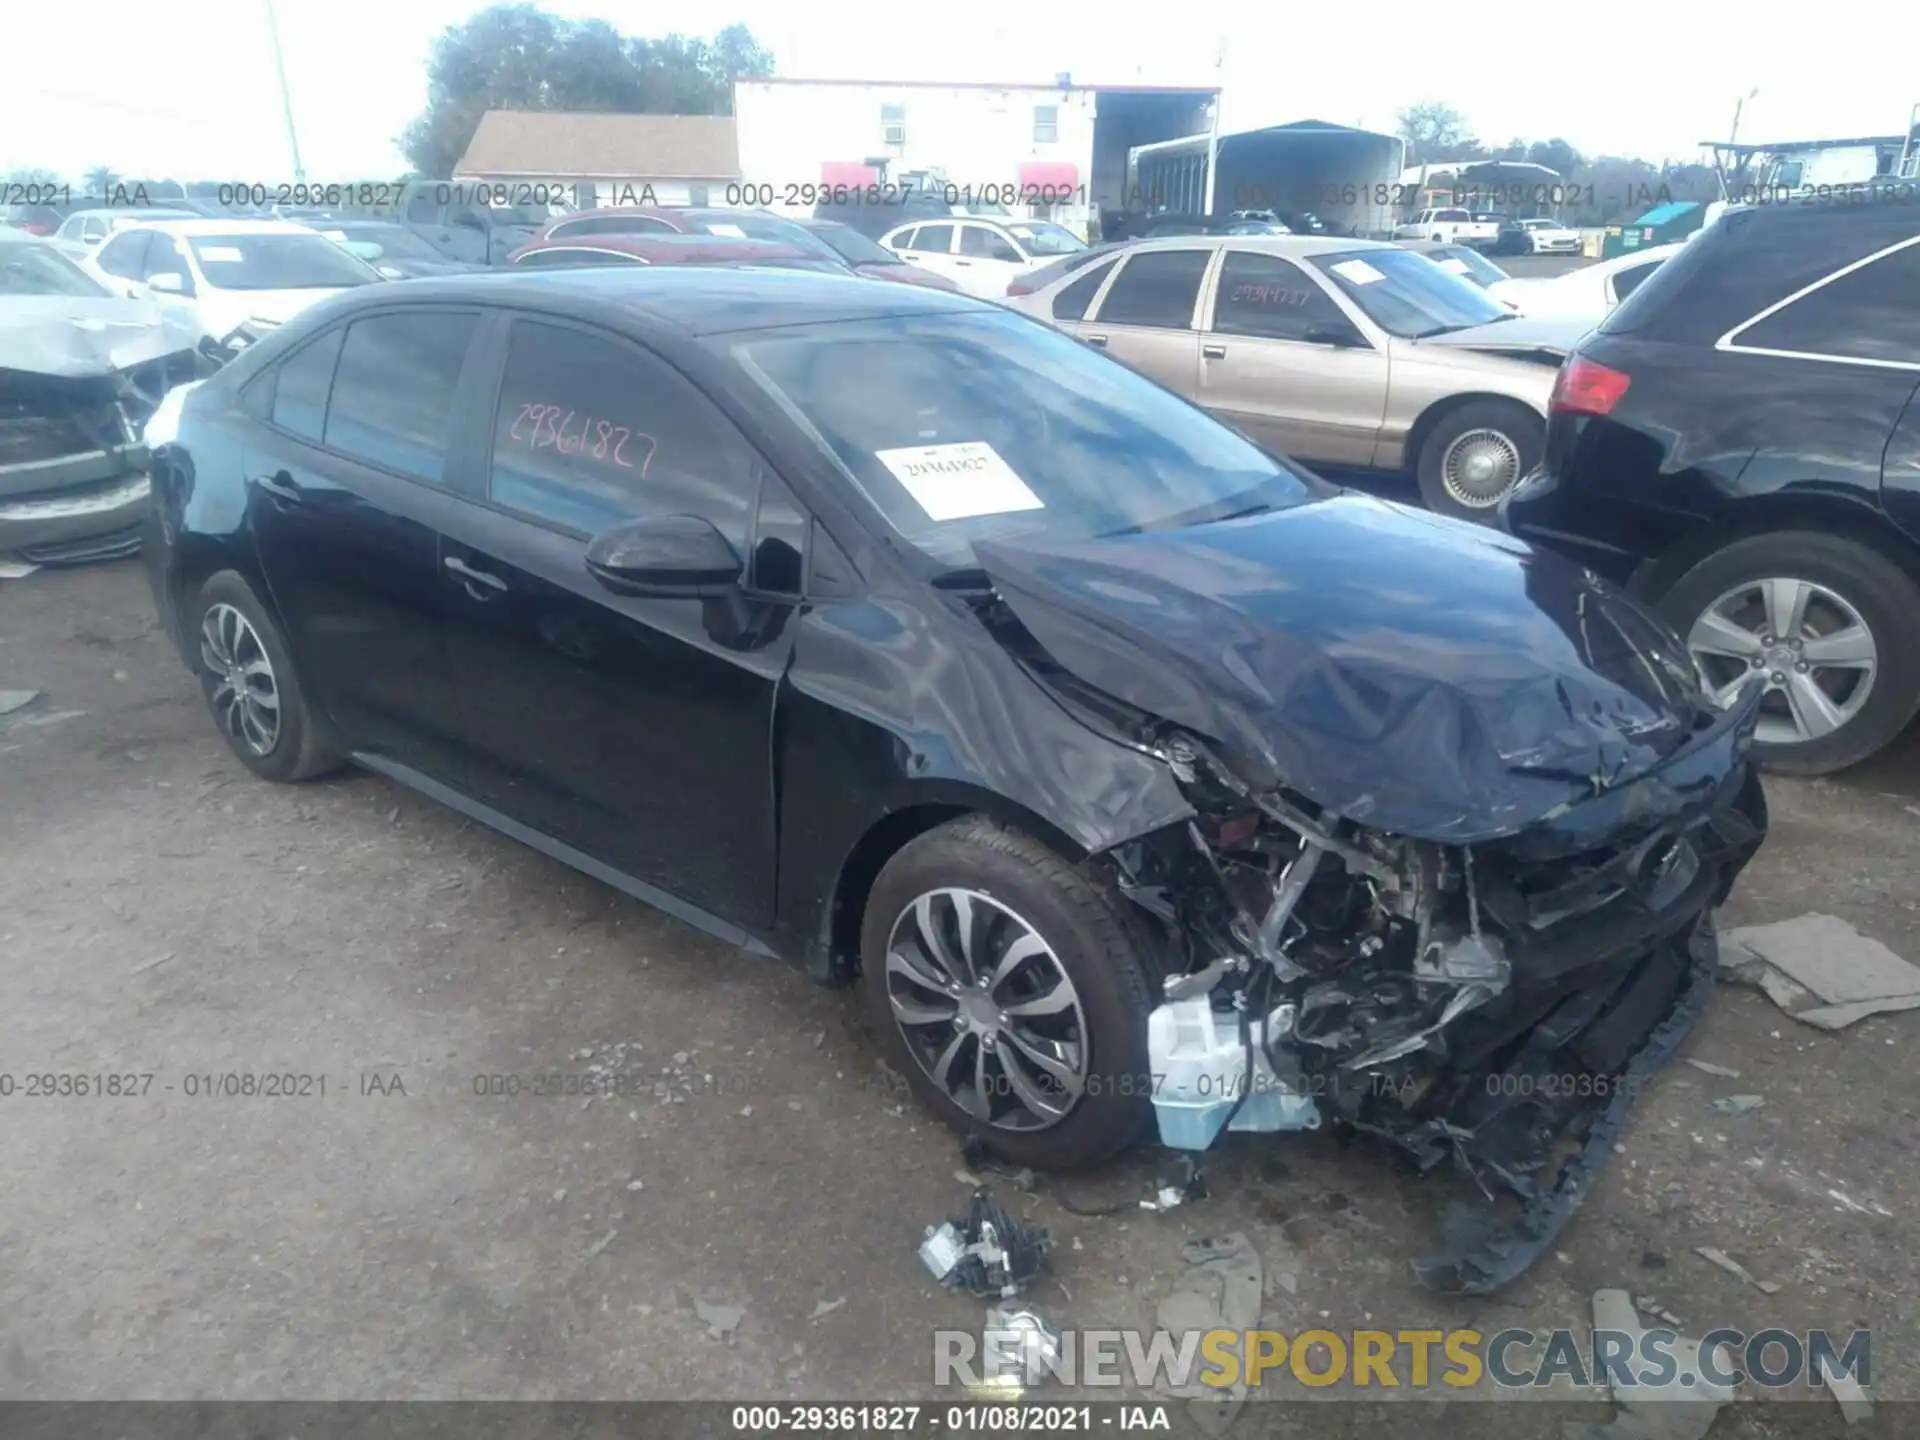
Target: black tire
(1081,920)
(1888,603)
(302,743)
(1522,428)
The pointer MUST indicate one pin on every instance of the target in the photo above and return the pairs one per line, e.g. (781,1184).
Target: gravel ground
(163,913)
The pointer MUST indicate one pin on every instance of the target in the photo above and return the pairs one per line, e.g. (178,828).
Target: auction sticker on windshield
(1358,271)
(214,254)
(953,482)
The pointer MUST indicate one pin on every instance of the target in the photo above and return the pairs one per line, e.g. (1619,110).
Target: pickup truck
(1454,227)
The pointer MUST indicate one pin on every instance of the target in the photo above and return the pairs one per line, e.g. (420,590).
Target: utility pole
(1213,126)
(286,100)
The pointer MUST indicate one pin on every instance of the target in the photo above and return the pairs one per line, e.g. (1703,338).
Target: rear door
(347,489)
(1145,319)
(1268,368)
(638,731)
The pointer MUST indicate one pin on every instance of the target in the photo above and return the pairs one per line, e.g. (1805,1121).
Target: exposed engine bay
(1478,963)
(1488,1005)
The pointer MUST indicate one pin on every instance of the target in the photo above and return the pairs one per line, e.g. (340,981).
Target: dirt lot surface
(163,913)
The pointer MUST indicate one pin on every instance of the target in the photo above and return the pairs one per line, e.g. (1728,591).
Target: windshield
(381,240)
(35,269)
(1468,263)
(968,427)
(276,262)
(853,247)
(1043,237)
(1407,294)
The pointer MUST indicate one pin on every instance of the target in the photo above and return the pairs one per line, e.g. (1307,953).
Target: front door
(636,730)
(986,262)
(346,496)
(1273,364)
(1145,319)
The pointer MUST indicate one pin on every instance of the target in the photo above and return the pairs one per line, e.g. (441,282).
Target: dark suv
(1740,441)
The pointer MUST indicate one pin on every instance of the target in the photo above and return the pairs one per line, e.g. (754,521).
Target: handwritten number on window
(536,428)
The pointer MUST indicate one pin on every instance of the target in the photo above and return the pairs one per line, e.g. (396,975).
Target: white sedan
(1588,293)
(981,256)
(1549,237)
(227,274)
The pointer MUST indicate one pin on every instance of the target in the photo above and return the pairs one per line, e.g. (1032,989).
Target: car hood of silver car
(73,336)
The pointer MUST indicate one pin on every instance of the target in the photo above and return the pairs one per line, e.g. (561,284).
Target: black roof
(695,299)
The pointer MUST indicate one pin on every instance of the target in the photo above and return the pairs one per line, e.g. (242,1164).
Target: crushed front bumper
(77,507)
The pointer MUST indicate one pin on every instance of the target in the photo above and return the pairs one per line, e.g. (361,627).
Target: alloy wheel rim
(245,695)
(987,1010)
(1479,467)
(1807,645)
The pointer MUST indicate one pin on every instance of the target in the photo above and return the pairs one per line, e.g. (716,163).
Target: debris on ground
(1189,1186)
(1737,1104)
(1856,1407)
(721,1320)
(1671,1411)
(1652,1260)
(986,1252)
(1820,970)
(827,1307)
(11,569)
(12,700)
(594,1250)
(1733,1267)
(1018,1348)
(978,1159)
(1220,1289)
(1649,1305)
(1725,1072)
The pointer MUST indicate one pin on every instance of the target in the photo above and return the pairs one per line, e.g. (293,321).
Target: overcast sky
(189,92)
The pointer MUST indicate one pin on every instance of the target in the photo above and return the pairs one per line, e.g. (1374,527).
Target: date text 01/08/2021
(975,1417)
(194,1085)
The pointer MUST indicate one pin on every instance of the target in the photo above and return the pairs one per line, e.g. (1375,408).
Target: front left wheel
(1009,989)
(251,687)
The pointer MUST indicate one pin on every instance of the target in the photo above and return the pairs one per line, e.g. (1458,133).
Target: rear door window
(1863,314)
(935,238)
(590,431)
(1269,298)
(1629,280)
(394,388)
(1156,288)
(301,385)
(1072,302)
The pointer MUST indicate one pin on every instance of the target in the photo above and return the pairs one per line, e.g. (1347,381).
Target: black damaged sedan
(897,635)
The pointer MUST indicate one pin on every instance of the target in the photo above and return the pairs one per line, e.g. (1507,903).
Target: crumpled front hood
(71,336)
(1418,675)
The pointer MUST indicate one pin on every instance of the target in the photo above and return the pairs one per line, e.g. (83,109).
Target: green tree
(520,57)
(1433,130)
(31,175)
(100,179)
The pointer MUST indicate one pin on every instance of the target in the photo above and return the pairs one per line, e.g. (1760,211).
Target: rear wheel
(1825,624)
(1011,993)
(250,685)
(1475,455)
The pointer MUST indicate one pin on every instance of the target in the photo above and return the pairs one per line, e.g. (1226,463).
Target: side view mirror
(670,556)
(170,282)
(1338,333)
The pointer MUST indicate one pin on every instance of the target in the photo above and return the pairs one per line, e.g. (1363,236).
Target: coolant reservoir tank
(1200,1070)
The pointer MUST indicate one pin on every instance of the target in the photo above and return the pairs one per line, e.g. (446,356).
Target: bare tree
(1430,128)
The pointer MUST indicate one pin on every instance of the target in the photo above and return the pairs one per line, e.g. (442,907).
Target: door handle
(281,486)
(1099,342)
(475,577)
(1214,352)
(963,262)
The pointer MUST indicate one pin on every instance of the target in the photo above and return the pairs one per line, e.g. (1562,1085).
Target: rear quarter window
(1853,316)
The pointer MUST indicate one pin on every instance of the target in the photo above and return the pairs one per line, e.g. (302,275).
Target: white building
(1057,150)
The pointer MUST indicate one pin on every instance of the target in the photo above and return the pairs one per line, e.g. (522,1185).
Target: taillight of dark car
(1586,387)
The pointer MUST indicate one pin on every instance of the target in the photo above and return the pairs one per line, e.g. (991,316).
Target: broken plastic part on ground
(1019,1348)
(986,1252)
